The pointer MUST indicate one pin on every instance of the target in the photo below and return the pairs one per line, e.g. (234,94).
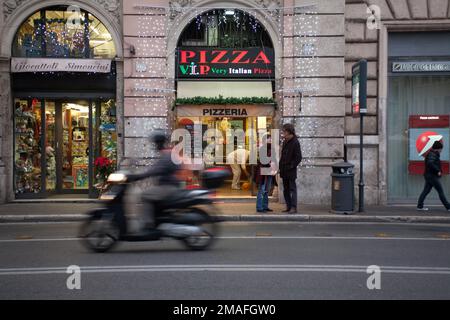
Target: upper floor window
(63,32)
(225,28)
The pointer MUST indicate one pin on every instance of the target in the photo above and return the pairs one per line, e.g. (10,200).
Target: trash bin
(342,188)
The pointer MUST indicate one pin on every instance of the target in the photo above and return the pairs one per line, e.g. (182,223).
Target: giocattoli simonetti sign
(209,63)
(60,65)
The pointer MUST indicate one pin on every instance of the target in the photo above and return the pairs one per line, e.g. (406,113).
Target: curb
(247,218)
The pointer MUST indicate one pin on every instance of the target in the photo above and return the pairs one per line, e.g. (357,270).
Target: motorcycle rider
(166,183)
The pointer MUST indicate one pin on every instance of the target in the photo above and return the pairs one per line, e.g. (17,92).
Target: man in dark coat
(433,173)
(291,156)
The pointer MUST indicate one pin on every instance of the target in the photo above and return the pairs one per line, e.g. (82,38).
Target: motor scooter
(189,216)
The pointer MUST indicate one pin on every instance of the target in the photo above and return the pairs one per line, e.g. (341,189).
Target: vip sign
(424,130)
(206,63)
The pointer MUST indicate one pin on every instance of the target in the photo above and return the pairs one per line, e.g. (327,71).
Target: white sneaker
(422,209)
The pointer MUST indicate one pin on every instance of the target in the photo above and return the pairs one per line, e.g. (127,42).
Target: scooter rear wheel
(206,237)
(99,233)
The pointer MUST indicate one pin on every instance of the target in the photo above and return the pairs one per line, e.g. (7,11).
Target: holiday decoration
(295,93)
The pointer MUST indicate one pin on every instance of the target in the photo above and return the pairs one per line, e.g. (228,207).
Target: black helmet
(159,138)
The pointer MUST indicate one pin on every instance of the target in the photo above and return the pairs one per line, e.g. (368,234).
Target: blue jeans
(262,199)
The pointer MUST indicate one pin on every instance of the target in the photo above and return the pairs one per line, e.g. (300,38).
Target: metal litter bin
(342,188)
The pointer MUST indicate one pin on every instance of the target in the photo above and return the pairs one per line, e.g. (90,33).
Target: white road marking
(255,238)
(243,223)
(227,268)
(39,240)
(334,238)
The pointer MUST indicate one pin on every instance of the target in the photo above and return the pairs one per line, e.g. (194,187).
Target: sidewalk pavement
(68,211)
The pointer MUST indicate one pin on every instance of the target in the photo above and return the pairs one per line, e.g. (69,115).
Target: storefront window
(28,160)
(104,133)
(413,96)
(57,142)
(225,29)
(224,126)
(63,33)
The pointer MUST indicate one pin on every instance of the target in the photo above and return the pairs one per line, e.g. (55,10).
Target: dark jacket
(432,163)
(257,177)
(164,169)
(291,156)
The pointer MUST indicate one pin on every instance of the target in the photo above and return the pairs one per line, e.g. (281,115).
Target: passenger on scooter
(166,183)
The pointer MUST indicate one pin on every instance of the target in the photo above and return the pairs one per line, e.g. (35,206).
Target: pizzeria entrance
(235,130)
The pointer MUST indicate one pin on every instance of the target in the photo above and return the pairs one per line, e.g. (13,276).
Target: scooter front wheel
(203,239)
(99,233)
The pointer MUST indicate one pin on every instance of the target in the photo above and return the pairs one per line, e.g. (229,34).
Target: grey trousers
(156,193)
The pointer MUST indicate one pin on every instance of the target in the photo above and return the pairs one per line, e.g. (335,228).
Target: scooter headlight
(117,178)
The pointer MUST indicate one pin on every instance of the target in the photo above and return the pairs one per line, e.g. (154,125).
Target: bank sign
(213,63)
(431,66)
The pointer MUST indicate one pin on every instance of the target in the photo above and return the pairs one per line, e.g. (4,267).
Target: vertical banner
(359,88)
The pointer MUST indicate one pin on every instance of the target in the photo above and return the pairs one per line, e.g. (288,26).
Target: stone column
(314,49)
(6,193)
(362,43)
(146,106)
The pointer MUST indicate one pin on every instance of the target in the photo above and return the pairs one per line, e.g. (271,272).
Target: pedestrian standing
(433,173)
(291,156)
(264,177)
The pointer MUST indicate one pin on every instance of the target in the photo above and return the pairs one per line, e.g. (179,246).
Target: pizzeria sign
(210,63)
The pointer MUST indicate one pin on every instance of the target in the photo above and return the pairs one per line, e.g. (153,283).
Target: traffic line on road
(227,268)
(39,240)
(261,237)
(334,238)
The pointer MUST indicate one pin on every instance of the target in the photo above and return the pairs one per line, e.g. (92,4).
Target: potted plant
(103,168)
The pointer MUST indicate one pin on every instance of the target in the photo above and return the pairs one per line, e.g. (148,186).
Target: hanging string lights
(297,93)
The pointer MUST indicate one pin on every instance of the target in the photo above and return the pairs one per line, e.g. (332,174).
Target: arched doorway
(64,102)
(225,80)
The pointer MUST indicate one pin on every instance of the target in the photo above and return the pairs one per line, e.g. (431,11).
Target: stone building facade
(315,43)
(13,14)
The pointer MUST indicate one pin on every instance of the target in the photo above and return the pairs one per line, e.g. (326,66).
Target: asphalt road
(249,261)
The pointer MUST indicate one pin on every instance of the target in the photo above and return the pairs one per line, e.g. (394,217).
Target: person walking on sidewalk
(433,173)
(291,156)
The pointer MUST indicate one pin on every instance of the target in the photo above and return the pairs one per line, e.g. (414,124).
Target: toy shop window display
(27,147)
(50,145)
(104,137)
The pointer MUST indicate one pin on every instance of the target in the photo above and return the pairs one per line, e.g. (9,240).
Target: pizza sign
(206,63)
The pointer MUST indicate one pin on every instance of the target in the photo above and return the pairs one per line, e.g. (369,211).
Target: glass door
(66,144)
(50,146)
(73,146)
